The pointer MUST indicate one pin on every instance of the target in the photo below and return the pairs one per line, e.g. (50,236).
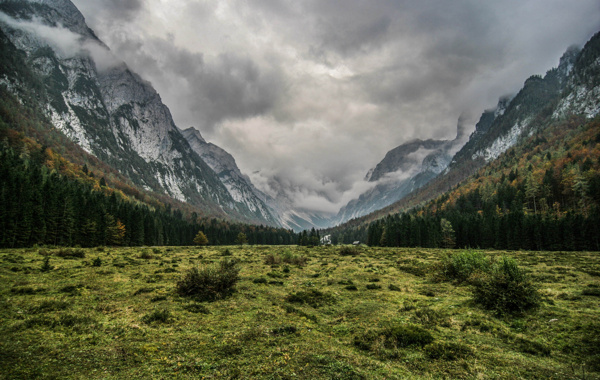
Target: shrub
(532,347)
(49,305)
(97,262)
(507,290)
(461,265)
(146,255)
(373,286)
(260,280)
(430,317)
(160,316)
(286,257)
(311,297)
(196,308)
(348,251)
(70,253)
(394,336)
(448,351)
(46,267)
(284,330)
(209,283)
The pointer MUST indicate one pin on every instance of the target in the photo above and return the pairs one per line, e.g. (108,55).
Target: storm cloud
(309,95)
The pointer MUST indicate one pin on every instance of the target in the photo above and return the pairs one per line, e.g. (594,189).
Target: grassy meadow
(296,312)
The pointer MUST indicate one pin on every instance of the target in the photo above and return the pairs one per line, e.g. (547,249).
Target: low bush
(348,251)
(70,253)
(448,351)
(313,297)
(394,336)
(196,308)
(158,315)
(287,258)
(46,267)
(506,290)
(209,283)
(461,265)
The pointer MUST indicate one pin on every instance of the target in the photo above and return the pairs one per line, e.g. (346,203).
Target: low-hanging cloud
(309,95)
(65,42)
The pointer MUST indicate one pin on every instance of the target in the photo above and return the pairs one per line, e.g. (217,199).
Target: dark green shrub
(142,291)
(532,347)
(592,290)
(209,283)
(146,255)
(196,308)
(507,290)
(284,330)
(311,297)
(226,252)
(290,309)
(430,317)
(97,262)
(373,286)
(260,280)
(70,253)
(46,267)
(158,298)
(448,351)
(159,316)
(394,288)
(348,251)
(351,287)
(48,306)
(461,265)
(395,336)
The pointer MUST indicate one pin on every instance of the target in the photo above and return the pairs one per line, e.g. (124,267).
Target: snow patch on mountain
(503,143)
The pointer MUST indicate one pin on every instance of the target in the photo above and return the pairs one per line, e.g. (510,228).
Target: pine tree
(447,233)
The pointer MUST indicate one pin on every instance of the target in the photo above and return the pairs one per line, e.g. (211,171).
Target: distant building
(326,240)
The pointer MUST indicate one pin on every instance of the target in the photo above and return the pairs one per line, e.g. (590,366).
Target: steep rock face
(95,100)
(239,186)
(582,93)
(514,117)
(403,170)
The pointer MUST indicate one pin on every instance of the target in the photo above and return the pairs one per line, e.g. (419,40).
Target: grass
(294,312)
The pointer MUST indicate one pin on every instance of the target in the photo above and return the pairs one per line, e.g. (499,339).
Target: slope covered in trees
(542,194)
(45,199)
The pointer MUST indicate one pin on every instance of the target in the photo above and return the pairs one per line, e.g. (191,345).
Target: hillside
(55,64)
(544,106)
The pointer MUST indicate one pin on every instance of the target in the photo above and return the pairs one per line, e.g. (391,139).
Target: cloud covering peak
(309,95)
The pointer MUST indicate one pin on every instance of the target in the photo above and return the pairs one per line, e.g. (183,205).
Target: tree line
(39,205)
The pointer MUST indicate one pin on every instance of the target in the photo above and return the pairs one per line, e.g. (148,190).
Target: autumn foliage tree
(201,239)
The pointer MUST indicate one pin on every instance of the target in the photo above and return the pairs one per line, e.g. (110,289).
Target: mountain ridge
(100,104)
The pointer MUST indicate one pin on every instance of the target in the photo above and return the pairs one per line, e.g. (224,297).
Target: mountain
(402,170)
(99,103)
(238,185)
(564,102)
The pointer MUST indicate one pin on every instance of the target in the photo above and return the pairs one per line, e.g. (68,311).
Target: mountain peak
(193,133)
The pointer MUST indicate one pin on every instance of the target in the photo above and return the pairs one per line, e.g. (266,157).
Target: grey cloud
(109,11)
(311,94)
(206,91)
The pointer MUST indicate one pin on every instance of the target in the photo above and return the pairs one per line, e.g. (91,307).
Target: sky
(309,95)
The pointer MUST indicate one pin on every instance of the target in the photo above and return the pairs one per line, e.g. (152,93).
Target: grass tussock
(209,283)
